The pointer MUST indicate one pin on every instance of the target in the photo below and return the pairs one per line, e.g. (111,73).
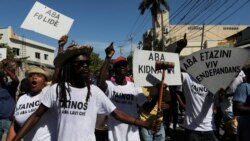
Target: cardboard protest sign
(145,73)
(215,67)
(46,21)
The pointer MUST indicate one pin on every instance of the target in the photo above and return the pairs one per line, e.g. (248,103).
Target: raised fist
(110,51)
(63,40)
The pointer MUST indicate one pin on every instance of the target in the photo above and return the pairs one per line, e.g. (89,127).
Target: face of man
(81,65)
(37,82)
(121,69)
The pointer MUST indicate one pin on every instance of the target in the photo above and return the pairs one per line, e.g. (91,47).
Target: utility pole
(120,48)
(1,38)
(162,32)
(202,35)
(131,41)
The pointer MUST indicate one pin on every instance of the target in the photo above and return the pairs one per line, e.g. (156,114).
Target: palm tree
(155,8)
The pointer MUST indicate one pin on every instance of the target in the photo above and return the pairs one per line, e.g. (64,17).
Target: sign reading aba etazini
(215,67)
(46,21)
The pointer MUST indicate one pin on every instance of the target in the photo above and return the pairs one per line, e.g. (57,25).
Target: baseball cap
(120,59)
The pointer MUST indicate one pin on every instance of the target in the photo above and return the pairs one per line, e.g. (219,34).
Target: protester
(153,93)
(225,103)
(123,94)
(199,121)
(7,105)
(8,93)
(241,106)
(9,67)
(75,100)
(45,129)
(24,87)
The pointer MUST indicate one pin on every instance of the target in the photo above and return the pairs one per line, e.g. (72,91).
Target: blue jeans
(147,134)
(4,126)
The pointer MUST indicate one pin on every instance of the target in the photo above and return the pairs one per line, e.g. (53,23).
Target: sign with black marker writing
(47,21)
(145,72)
(215,67)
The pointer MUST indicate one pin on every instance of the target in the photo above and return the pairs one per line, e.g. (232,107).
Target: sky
(100,22)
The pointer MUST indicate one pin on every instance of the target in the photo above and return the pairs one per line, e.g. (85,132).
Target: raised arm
(124,117)
(12,75)
(181,44)
(31,122)
(61,42)
(9,72)
(103,76)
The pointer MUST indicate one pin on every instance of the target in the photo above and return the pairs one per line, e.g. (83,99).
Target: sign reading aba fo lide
(215,67)
(46,21)
(145,72)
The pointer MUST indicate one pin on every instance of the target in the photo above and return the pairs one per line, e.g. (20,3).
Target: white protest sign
(3,53)
(215,67)
(46,21)
(144,72)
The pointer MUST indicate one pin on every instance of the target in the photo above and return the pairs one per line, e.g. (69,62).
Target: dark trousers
(192,135)
(101,135)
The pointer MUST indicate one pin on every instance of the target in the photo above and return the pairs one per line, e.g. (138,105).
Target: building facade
(36,53)
(198,36)
(204,36)
(30,51)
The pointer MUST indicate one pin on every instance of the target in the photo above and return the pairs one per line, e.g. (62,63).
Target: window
(46,56)
(16,51)
(194,28)
(230,28)
(37,55)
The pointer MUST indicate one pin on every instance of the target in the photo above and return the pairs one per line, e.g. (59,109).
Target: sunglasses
(81,63)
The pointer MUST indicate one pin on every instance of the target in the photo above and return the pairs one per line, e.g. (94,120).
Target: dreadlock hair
(65,77)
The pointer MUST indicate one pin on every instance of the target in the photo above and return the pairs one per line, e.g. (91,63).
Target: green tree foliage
(155,7)
(96,63)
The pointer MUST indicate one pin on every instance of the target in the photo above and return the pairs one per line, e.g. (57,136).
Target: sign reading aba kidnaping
(46,21)
(145,73)
(215,67)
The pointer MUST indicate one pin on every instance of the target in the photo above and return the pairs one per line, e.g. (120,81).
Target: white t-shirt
(77,121)
(199,105)
(45,129)
(227,103)
(126,98)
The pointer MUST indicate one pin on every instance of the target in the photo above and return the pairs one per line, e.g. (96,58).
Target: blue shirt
(242,95)
(7,104)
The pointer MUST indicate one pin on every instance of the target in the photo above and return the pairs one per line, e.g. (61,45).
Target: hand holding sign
(63,40)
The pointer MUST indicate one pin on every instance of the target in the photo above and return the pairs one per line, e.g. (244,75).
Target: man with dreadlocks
(75,100)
